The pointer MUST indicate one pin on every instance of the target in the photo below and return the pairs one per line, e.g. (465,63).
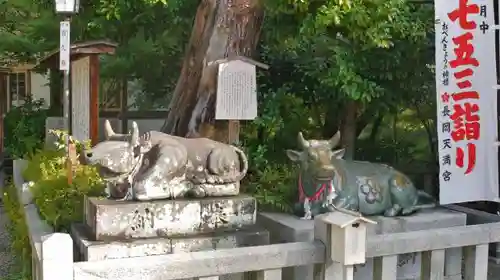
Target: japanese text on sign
(236,91)
(64,46)
(65,6)
(465,80)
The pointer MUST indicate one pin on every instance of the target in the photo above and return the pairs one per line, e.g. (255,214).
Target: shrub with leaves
(24,128)
(60,203)
(272,177)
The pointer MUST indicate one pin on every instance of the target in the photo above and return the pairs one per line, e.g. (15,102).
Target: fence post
(344,235)
(57,257)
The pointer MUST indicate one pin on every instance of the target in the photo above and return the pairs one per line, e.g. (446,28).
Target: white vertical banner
(64,45)
(466,100)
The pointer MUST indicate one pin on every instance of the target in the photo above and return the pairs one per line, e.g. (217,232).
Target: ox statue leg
(404,196)
(307,210)
(345,202)
(166,178)
(393,211)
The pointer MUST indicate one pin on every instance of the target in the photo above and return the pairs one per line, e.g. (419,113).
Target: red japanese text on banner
(466,100)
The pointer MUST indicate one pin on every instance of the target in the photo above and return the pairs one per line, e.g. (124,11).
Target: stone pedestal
(118,220)
(288,228)
(104,250)
(124,229)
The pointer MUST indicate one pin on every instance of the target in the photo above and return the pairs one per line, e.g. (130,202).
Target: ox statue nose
(85,156)
(328,167)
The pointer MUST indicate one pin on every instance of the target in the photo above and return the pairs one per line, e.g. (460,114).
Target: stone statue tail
(425,201)
(243,163)
(215,156)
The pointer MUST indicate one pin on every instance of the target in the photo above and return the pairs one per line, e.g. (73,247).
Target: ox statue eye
(313,155)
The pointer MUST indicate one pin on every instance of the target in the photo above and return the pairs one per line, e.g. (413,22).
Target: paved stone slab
(103,250)
(289,228)
(122,220)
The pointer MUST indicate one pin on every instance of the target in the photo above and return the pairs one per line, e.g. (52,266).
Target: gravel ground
(5,257)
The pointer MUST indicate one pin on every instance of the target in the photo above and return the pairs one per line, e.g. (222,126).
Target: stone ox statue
(327,182)
(156,165)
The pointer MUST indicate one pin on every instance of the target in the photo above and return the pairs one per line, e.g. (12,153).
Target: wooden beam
(3,106)
(94,99)
(233,132)
(140,115)
(124,106)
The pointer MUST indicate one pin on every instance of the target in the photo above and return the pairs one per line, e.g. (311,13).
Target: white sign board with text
(65,6)
(236,91)
(466,100)
(80,99)
(64,46)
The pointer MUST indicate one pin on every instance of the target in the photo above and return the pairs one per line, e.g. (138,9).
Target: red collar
(316,196)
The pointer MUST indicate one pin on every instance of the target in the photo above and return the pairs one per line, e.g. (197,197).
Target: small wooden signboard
(236,97)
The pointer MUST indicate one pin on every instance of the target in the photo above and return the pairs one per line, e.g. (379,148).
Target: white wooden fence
(53,256)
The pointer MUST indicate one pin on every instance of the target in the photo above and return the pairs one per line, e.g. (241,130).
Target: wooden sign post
(236,92)
(64,65)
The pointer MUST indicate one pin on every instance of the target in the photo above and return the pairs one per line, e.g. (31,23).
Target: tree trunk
(376,128)
(349,134)
(222,28)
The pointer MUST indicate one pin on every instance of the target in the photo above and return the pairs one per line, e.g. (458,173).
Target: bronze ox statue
(327,182)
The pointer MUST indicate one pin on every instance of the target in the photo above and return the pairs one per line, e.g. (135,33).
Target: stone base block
(104,250)
(288,228)
(121,220)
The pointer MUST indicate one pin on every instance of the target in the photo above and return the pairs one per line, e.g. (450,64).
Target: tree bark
(376,128)
(349,134)
(222,28)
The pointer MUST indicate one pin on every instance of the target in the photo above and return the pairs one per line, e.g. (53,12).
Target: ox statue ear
(293,155)
(134,135)
(338,154)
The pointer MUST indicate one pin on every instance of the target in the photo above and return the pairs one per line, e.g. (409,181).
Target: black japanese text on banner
(64,46)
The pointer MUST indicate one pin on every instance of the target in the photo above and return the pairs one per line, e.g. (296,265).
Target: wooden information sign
(236,91)
(80,99)
(236,97)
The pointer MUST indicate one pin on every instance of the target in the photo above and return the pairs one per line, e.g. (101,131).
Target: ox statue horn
(334,141)
(303,142)
(108,130)
(134,139)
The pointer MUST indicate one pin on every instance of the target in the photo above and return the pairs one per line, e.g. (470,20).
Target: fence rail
(52,256)
(267,261)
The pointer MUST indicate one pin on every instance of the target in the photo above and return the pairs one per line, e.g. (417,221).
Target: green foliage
(272,177)
(24,128)
(60,203)
(61,140)
(325,54)
(20,245)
